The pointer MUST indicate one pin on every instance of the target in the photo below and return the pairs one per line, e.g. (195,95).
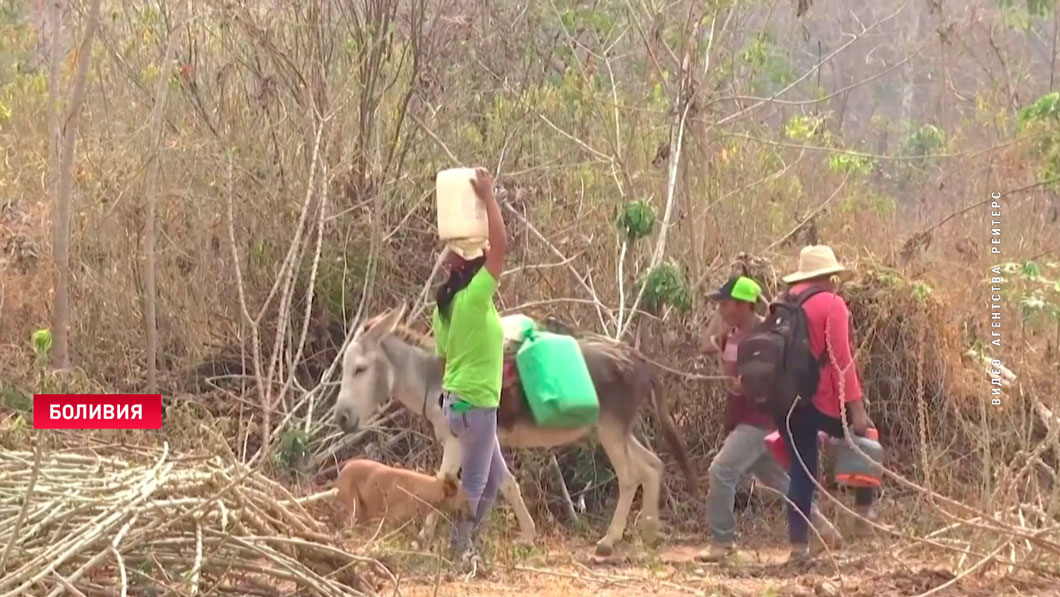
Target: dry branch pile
(108,526)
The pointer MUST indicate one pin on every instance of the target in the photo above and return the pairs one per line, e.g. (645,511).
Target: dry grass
(564,565)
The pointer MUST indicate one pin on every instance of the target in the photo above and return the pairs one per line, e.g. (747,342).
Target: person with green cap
(744,450)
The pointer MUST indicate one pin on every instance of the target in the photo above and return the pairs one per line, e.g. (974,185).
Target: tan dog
(372,491)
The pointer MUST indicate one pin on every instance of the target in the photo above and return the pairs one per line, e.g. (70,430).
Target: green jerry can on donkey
(556,380)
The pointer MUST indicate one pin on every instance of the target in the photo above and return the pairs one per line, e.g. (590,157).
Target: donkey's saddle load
(547,372)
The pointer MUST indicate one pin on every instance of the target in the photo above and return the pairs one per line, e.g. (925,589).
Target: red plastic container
(776,446)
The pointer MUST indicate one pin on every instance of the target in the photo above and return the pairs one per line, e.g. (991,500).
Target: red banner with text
(97,411)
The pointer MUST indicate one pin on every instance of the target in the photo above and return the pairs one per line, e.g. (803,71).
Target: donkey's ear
(390,320)
(369,323)
(383,324)
(370,329)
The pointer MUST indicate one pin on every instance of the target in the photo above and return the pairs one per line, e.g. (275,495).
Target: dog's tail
(669,431)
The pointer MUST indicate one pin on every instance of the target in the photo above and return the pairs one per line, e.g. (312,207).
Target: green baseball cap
(738,288)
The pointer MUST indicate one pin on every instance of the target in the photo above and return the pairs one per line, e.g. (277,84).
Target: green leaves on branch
(1033,304)
(762,56)
(846,163)
(598,19)
(1031,270)
(636,220)
(41,341)
(1042,119)
(294,449)
(1037,293)
(664,285)
(807,128)
(924,140)
(921,291)
(1019,17)
(802,128)
(1047,107)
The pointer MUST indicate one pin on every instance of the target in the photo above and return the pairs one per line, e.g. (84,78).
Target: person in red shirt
(744,450)
(828,325)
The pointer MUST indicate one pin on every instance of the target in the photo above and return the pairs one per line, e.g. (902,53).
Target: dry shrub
(908,352)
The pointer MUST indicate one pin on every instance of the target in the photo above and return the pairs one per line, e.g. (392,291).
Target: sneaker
(717,552)
(471,563)
(831,537)
(799,558)
(868,513)
(460,541)
(469,557)
(458,550)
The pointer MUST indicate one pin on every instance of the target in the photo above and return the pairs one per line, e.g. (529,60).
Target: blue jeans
(744,452)
(482,466)
(806,421)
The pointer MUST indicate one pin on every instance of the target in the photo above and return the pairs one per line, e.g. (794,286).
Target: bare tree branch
(65,188)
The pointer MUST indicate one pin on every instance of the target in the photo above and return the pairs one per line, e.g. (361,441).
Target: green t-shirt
(472,343)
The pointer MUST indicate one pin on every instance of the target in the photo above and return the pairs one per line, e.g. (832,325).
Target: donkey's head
(367,374)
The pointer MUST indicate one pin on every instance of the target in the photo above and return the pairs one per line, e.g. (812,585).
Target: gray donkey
(386,360)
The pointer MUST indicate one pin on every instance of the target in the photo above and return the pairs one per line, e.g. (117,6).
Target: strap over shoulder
(800,298)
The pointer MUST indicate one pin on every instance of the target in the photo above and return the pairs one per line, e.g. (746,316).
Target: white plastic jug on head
(462,219)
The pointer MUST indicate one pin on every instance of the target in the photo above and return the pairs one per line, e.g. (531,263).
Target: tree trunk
(53,21)
(1052,58)
(44,15)
(944,71)
(911,95)
(65,186)
(151,199)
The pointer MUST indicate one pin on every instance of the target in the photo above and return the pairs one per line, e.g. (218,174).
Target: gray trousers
(482,466)
(743,452)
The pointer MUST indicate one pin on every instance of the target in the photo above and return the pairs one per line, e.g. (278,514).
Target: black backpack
(775,360)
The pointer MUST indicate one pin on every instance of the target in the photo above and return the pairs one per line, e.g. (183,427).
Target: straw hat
(816,261)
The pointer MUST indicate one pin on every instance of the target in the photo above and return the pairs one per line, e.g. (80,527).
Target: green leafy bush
(1042,120)
(636,220)
(665,285)
(846,163)
(41,341)
(802,128)
(924,140)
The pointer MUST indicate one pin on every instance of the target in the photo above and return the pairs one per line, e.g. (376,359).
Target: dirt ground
(567,568)
(561,563)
